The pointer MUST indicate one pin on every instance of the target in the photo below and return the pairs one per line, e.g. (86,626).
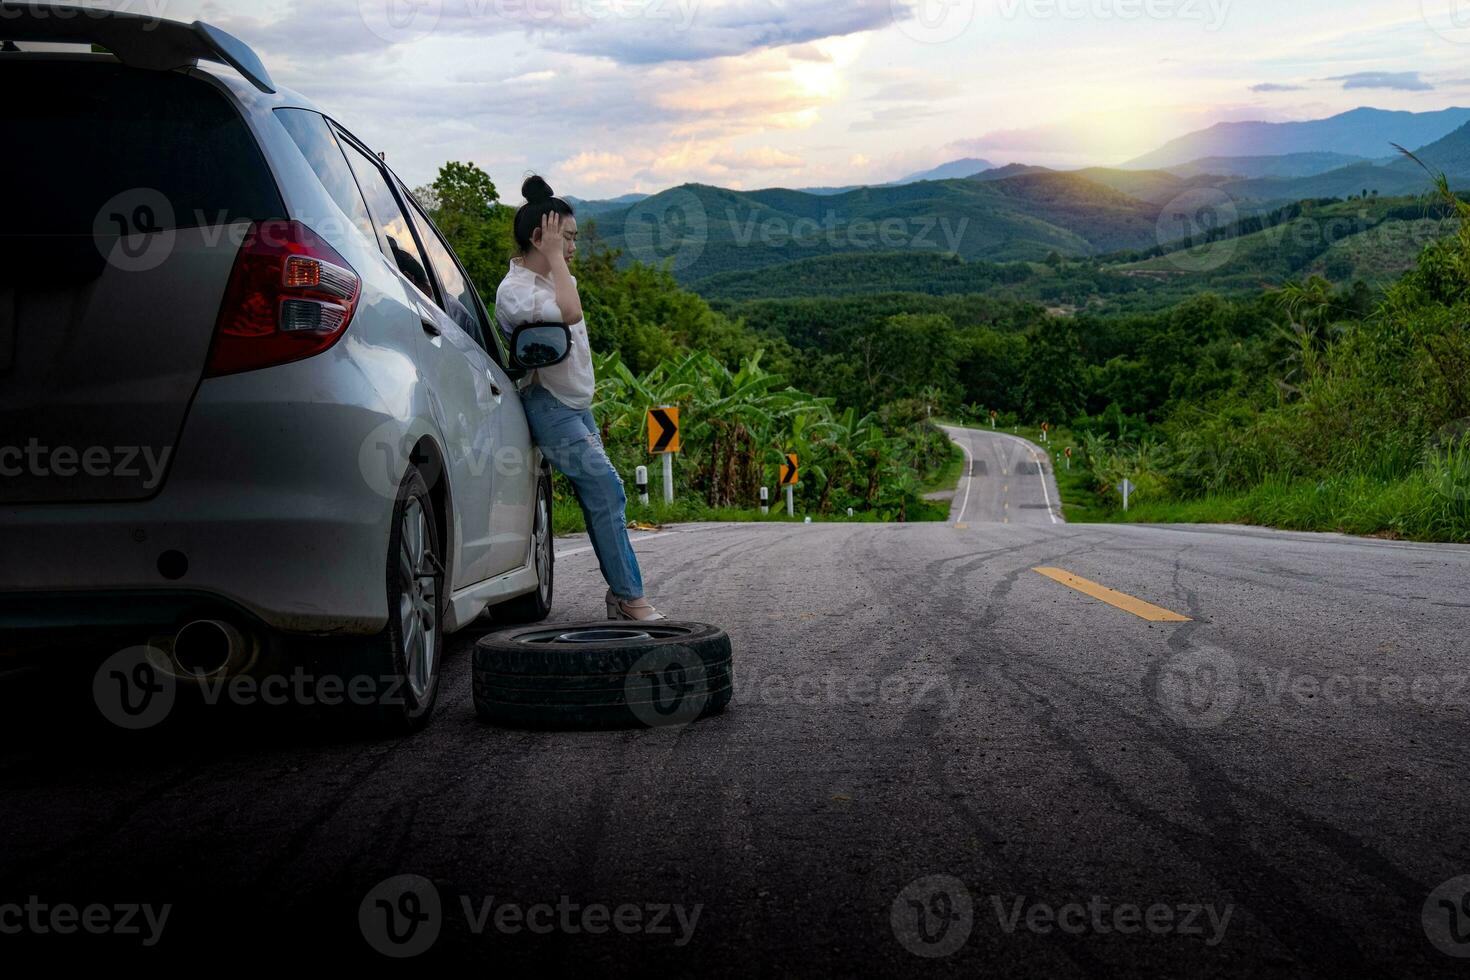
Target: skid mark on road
(1120,600)
(588,549)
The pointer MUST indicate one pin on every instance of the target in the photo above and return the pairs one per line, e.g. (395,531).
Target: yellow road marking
(962,527)
(1123,601)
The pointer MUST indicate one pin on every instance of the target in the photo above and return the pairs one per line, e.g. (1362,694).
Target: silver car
(250,403)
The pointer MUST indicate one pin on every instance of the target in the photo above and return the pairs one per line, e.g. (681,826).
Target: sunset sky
(610,96)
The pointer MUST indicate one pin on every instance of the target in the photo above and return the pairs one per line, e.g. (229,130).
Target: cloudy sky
(610,96)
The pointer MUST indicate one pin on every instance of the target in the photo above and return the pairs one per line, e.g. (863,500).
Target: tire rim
(542,543)
(418,607)
(605,635)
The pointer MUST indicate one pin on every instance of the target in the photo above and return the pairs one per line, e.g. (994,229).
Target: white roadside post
(765,500)
(668,478)
(640,477)
(1127,487)
(790,501)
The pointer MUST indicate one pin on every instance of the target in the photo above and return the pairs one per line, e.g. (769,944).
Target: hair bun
(535,190)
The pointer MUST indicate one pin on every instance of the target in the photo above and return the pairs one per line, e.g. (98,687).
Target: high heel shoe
(638,610)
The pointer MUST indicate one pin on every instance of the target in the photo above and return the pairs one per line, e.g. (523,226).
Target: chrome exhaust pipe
(207,647)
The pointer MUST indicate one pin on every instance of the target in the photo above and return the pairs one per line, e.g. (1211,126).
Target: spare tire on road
(602,675)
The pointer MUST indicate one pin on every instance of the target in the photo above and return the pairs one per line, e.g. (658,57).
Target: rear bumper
(266,509)
(35,624)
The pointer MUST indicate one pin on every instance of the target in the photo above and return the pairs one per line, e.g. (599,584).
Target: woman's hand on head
(548,238)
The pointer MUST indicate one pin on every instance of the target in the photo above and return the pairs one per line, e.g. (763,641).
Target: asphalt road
(1007,480)
(1276,787)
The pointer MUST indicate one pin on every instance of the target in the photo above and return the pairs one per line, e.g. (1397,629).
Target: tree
(465,205)
(1053,383)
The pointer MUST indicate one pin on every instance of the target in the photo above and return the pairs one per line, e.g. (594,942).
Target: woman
(540,288)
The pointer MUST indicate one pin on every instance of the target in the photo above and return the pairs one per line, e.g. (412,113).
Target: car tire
(391,681)
(535,606)
(601,675)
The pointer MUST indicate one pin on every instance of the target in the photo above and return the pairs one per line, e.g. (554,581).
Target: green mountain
(589,209)
(1343,241)
(710,230)
(1450,155)
(1342,182)
(1011,170)
(1283,165)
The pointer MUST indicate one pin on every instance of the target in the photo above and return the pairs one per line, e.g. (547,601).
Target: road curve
(1007,480)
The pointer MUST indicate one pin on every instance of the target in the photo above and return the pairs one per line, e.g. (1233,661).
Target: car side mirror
(540,345)
(411,267)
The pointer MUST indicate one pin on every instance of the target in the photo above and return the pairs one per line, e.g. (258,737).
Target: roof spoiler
(137,40)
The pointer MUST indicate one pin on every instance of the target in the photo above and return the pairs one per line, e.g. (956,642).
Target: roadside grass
(947,477)
(1419,507)
(567,515)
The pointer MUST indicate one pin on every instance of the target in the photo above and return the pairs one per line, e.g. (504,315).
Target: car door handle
(430,327)
(495,389)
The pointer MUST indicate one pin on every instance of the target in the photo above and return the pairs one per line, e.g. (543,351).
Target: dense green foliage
(1318,409)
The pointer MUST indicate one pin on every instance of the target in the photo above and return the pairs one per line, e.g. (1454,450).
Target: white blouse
(525,297)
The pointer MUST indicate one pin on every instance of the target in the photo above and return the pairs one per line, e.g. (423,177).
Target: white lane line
(1046,494)
(583,551)
(1041,472)
(969,480)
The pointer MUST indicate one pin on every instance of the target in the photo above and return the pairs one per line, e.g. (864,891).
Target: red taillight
(290,296)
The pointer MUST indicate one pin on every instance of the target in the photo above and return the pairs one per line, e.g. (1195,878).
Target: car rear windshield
(95,149)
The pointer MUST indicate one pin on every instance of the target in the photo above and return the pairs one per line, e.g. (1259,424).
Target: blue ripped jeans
(570,440)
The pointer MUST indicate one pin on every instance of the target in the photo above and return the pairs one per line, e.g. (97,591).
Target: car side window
(459,297)
(319,145)
(394,233)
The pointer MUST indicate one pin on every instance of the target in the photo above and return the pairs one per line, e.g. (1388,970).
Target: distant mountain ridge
(1363,132)
(954,170)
